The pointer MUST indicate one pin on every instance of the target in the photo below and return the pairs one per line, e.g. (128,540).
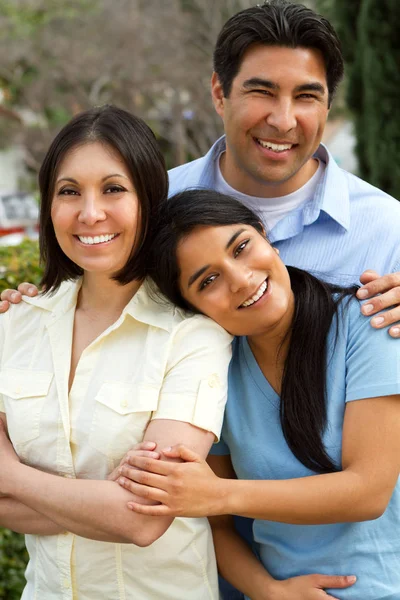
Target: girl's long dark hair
(303,396)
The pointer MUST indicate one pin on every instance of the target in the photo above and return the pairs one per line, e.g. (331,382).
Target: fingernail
(167,449)
(367,308)
(395,331)
(31,290)
(377,320)
(351,578)
(14,296)
(362,293)
(121,480)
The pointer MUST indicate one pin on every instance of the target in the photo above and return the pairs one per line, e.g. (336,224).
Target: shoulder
(187,175)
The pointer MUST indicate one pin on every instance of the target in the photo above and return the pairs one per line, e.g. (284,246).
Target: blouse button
(124,403)
(213,381)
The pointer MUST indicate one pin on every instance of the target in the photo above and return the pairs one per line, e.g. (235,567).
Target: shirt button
(66,583)
(17,390)
(124,403)
(213,381)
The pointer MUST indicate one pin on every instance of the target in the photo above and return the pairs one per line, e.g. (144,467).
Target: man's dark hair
(134,141)
(277,23)
(303,396)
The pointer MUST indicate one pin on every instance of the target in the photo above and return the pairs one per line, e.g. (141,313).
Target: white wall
(11,169)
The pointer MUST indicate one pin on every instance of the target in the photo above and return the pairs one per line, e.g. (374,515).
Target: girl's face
(95,209)
(233,275)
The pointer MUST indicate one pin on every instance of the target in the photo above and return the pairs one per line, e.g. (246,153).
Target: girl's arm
(361,491)
(89,508)
(21,519)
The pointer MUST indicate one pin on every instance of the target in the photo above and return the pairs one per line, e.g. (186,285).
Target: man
(276,69)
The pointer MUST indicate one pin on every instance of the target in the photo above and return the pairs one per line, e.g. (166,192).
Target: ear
(276,250)
(217,95)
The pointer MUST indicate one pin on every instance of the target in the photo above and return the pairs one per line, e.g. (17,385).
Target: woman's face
(95,209)
(233,275)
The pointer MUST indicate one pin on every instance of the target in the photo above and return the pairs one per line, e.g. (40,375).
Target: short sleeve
(195,385)
(372,358)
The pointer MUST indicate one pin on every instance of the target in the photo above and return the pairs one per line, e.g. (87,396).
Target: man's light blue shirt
(347,227)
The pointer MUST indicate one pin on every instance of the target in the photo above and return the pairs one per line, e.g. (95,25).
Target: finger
(11,296)
(334,581)
(144,446)
(142,453)
(182,451)
(150,465)
(369,275)
(28,289)
(145,492)
(395,331)
(386,318)
(379,286)
(4,306)
(154,511)
(143,477)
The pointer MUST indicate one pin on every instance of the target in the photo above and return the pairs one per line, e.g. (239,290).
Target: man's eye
(263,92)
(207,281)
(240,248)
(307,96)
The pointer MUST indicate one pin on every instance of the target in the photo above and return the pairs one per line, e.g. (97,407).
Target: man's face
(274,119)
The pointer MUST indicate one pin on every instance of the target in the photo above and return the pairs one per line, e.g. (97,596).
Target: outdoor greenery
(368,30)
(13,559)
(18,264)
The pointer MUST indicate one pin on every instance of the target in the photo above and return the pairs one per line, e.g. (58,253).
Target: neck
(101,294)
(249,185)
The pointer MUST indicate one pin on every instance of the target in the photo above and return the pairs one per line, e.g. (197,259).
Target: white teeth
(275,147)
(261,290)
(97,239)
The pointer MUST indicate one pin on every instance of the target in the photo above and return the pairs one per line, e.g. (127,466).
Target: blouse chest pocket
(121,414)
(24,394)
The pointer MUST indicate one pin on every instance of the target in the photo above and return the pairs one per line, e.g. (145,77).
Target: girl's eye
(207,281)
(67,192)
(240,248)
(114,189)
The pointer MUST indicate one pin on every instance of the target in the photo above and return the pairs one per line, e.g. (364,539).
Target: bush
(13,559)
(18,264)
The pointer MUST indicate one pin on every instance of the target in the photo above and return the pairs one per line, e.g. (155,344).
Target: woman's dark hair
(303,395)
(136,144)
(277,23)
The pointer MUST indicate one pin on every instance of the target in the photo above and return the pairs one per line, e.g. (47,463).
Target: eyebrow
(200,272)
(313,86)
(72,180)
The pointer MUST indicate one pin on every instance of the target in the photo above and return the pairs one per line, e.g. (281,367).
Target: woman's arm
(21,519)
(361,491)
(89,508)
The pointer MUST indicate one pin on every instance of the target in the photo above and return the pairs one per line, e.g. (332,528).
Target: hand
(144,449)
(14,297)
(384,293)
(307,587)
(8,460)
(189,489)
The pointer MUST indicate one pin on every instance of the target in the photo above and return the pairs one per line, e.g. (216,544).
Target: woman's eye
(114,189)
(207,281)
(240,248)
(67,192)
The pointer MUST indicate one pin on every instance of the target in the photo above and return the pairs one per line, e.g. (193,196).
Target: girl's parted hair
(303,397)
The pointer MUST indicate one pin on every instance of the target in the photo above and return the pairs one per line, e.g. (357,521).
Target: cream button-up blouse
(155,362)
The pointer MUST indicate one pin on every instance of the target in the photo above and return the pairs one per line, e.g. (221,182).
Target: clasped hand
(182,489)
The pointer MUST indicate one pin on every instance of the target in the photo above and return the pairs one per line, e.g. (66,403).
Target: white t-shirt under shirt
(272,210)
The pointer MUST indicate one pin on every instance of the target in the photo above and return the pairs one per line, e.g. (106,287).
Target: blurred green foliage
(13,559)
(18,264)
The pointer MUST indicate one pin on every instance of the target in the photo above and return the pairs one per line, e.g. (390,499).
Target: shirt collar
(147,305)
(332,195)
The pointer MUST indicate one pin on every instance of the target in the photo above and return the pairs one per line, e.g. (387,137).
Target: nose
(240,278)
(91,210)
(282,116)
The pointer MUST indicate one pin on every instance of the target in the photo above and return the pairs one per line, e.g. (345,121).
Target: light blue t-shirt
(346,227)
(364,364)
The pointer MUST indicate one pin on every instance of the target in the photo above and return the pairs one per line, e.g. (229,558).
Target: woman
(312,424)
(93,366)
